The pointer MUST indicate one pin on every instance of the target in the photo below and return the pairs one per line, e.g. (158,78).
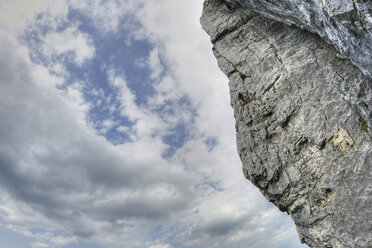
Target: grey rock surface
(347,24)
(304,135)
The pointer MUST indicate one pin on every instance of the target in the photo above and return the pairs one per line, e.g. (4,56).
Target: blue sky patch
(211,142)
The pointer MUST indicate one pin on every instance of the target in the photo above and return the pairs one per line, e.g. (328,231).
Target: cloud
(69,42)
(17,15)
(106,15)
(190,59)
(160,246)
(63,171)
(155,64)
(140,63)
(123,129)
(145,122)
(39,245)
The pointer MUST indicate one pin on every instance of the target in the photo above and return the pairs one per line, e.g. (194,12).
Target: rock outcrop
(303,122)
(347,24)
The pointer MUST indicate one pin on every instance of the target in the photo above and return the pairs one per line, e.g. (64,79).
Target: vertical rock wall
(302,123)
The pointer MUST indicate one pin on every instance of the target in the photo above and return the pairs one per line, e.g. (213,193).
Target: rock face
(347,24)
(303,122)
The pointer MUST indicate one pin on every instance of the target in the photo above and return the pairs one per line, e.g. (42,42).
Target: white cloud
(107,125)
(106,15)
(16,15)
(191,60)
(160,246)
(71,43)
(122,129)
(81,182)
(63,240)
(39,245)
(155,64)
(166,90)
(146,123)
(140,63)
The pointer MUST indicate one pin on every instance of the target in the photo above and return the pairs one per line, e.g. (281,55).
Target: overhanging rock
(303,126)
(347,24)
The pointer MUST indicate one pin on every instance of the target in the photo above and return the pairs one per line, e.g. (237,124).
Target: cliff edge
(347,24)
(303,122)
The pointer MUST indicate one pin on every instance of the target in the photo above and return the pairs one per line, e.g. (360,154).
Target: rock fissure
(270,86)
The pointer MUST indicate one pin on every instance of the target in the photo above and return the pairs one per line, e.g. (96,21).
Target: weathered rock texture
(347,24)
(304,138)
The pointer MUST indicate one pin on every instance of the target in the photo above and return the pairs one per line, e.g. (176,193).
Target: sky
(116,131)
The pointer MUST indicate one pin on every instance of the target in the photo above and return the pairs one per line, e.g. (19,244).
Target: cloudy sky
(116,131)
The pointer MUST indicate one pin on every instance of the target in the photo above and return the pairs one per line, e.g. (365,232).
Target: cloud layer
(136,150)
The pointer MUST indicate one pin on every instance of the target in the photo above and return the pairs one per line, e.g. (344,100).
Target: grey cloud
(139,207)
(224,231)
(222,226)
(48,162)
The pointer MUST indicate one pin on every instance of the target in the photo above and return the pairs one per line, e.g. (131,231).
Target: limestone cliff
(347,24)
(303,122)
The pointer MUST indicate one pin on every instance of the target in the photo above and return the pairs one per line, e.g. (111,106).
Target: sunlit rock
(304,126)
